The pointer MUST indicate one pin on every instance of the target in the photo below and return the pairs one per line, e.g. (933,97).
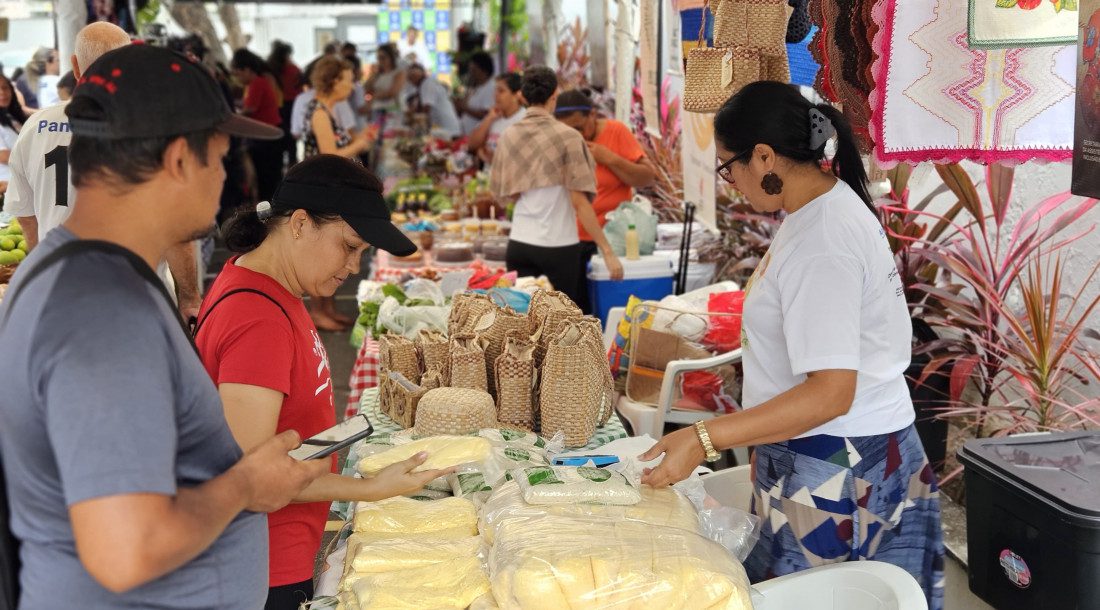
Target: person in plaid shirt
(545,166)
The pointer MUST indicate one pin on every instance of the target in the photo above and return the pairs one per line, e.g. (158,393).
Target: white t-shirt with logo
(8,137)
(40,183)
(827,296)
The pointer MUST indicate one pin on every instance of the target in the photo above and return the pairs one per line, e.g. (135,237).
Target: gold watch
(704,439)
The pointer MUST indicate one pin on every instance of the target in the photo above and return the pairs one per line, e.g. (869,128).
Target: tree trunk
(192,17)
(233,34)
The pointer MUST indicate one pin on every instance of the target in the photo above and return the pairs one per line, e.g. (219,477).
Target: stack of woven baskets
(544,371)
(749,45)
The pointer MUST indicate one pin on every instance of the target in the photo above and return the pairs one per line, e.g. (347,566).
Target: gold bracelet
(704,439)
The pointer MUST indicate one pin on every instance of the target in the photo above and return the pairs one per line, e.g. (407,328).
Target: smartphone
(334,439)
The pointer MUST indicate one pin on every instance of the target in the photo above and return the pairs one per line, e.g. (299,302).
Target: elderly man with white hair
(41,194)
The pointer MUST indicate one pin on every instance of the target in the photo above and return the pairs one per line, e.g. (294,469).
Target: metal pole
(502,50)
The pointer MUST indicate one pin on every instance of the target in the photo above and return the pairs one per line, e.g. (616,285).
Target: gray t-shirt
(104,395)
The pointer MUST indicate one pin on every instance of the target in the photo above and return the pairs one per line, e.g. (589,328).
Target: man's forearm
(183,263)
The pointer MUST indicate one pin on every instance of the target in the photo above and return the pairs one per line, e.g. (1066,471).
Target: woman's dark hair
(326,72)
(280,56)
(243,59)
(123,161)
(67,82)
(13,113)
(777,114)
(244,231)
(390,50)
(512,80)
(572,102)
(539,85)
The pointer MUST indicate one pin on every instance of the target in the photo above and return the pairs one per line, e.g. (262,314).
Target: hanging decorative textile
(1008,24)
(936,99)
(843,46)
(804,67)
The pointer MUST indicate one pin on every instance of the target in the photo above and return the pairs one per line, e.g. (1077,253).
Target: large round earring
(772,184)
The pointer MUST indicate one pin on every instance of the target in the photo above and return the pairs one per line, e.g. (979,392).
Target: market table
(369,406)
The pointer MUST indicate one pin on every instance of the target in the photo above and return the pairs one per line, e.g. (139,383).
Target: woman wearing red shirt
(621,166)
(259,344)
(261,102)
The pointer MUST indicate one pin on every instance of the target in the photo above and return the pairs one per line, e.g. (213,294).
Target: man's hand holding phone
(271,478)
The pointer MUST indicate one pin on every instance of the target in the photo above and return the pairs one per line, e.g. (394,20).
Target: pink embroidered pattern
(959,103)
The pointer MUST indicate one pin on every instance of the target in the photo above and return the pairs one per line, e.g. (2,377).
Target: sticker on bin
(1015,569)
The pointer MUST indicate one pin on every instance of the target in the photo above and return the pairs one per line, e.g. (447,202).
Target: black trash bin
(1033,520)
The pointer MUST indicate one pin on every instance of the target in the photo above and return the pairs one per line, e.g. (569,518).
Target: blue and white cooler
(648,278)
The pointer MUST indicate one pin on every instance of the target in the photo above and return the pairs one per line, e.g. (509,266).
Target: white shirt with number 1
(40,184)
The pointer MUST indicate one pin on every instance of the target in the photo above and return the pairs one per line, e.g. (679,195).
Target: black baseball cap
(366,211)
(152,92)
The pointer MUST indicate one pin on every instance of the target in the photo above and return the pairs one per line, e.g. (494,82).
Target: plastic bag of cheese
(561,562)
(571,485)
(371,556)
(510,450)
(658,507)
(443,452)
(400,517)
(453,584)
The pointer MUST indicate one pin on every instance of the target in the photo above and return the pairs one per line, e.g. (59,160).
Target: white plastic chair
(647,419)
(853,585)
(730,487)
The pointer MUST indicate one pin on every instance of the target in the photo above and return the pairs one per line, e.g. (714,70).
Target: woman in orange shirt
(621,165)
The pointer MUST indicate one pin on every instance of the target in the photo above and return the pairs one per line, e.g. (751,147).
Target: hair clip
(821,129)
(263,210)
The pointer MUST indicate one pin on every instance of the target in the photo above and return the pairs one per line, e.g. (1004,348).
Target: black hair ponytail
(847,163)
(244,231)
(777,114)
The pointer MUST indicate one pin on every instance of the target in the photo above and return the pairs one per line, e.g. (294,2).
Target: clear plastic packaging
(729,526)
(659,508)
(401,517)
(570,485)
(424,290)
(559,562)
(443,452)
(477,481)
(408,321)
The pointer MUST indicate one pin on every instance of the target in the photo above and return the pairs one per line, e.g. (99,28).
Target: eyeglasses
(725,170)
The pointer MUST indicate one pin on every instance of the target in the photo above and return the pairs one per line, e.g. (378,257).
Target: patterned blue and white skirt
(827,499)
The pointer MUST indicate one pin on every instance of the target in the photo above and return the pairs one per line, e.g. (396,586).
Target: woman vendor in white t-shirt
(840,473)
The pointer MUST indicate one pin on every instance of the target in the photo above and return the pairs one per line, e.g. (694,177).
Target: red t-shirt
(610,191)
(261,96)
(291,82)
(248,340)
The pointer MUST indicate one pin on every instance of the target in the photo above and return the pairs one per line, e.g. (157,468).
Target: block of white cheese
(443,452)
(572,485)
(659,507)
(371,556)
(450,585)
(446,519)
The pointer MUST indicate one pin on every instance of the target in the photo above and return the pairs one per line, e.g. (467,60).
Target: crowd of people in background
(341,101)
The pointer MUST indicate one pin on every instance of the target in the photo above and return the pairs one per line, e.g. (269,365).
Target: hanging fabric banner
(649,47)
(698,159)
(1086,133)
(1010,24)
(936,99)
(671,40)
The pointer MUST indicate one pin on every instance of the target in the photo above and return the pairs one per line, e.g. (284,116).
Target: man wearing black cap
(126,486)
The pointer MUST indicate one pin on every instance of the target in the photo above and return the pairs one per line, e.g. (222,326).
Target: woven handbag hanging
(714,74)
(468,363)
(516,378)
(760,25)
